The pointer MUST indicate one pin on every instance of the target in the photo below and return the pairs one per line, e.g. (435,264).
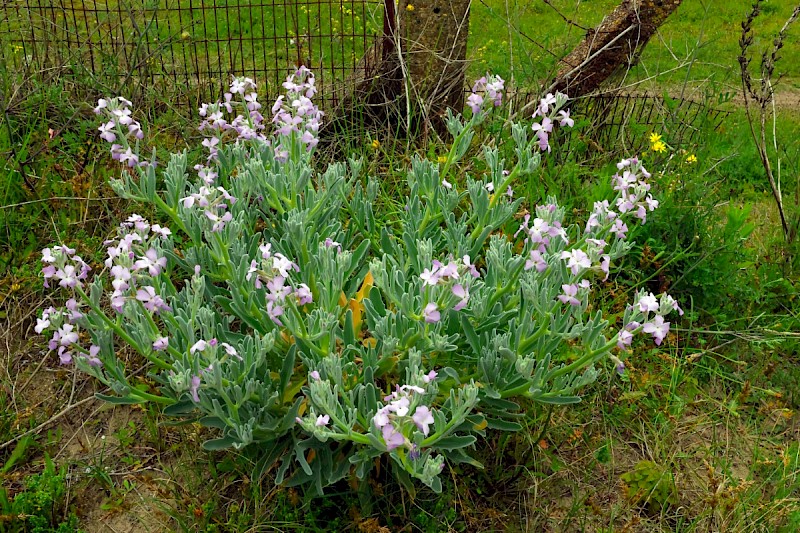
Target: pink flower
(322,421)
(195,386)
(460,292)
(151,301)
(430,277)
(199,346)
(570,291)
(161,343)
(392,437)
(423,418)
(576,260)
(658,328)
(303,295)
(536,261)
(648,303)
(92,359)
(624,339)
(431,313)
(381,417)
(475,101)
(430,376)
(151,262)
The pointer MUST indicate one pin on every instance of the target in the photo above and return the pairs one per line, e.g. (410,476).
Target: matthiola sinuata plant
(273,306)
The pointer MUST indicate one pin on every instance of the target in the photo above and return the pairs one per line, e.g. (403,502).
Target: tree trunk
(614,43)
(433,36)
(423,51)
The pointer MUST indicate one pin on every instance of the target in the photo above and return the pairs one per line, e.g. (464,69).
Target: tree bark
(613,44)
(416,71)
(433,36)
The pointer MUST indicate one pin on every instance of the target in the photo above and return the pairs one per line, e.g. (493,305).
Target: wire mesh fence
(188,50)
(183,52)
(619,124)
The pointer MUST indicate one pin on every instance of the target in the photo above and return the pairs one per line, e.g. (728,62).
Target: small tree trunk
(433,37)
(612,44)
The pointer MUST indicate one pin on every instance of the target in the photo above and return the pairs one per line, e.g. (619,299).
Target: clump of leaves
(650,485)
(39,508)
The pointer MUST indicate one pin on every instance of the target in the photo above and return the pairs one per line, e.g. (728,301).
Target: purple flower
(423,418)
(314,375)
(605,265)
(64,355)
(392,437)
(107,131)
(274,311)
(66,335)
(624,339)
(471,267)
(570,291)
(446,184)
(381,417)
(68,276)
(151,262)
(430,376)
(161,343)
(330,243)
(118,301)
(430,277)
(648,303)
(431,313)
(194,388)
(47,256)
(576,259)
(322,421)
(400,406)
(460,292)
(475,101)
(544,104)
(563,118)
(199,346)
(536,261)
(283,265)
(619,229)
(219,221)
(151,301)
(414,453)
(42,324)
(92,359)
(303,295)
(102,103)
(658,328)
(619,366)
(162,232)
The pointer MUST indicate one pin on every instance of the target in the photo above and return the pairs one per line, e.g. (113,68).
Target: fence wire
(188,50)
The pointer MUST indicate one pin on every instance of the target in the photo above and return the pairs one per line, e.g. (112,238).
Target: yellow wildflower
(442,159)
(375,144)
(691,159)
(654,138)
(410,7)
(659,146)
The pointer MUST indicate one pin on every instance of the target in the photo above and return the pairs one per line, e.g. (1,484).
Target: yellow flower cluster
(656,144)
(410,7)
(375,144)
(691,159)
(442,159)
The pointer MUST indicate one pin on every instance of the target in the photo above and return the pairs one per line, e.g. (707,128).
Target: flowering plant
(275,307)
